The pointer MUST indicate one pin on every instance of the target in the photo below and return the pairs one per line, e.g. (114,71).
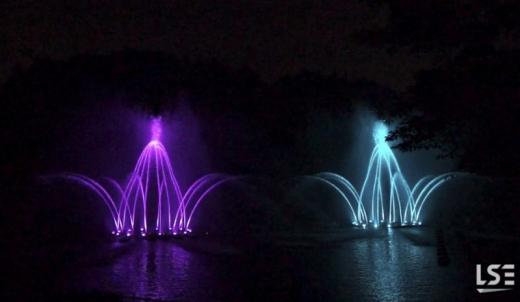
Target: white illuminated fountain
(385,196)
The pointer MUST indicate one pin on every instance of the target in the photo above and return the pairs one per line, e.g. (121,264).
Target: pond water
(388,265)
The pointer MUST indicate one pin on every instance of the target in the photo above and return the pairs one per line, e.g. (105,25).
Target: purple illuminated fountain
(152,202)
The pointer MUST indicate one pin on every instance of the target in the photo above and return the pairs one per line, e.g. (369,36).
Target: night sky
(270,93)
(399,57)
(271,39)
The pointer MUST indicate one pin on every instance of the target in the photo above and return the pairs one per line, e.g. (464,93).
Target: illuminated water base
(390,200)
(152,202)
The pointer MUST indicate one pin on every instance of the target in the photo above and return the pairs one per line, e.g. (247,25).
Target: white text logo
(490,280)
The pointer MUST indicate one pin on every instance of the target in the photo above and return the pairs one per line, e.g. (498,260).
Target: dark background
(448,70)
(268,89)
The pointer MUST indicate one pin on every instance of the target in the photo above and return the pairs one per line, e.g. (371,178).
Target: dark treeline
(249,125)
(466,110)
(464,103)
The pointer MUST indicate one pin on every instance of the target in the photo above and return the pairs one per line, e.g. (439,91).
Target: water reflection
(392,267)
(383,266)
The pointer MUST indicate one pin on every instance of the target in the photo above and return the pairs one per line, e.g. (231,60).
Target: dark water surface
(386,265)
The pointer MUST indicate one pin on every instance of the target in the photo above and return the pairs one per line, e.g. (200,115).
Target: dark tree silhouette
(466,105)
(469,111)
